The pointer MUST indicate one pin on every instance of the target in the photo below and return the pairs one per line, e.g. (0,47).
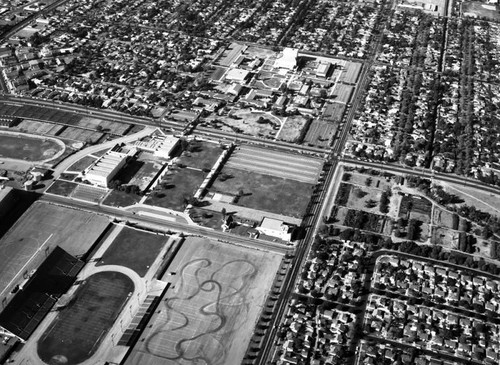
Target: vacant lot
(22,147)
(292,129)
(79,328)
(246,122)
(265,192)
(201,155)
(182,185)
(134,249)
(210,316)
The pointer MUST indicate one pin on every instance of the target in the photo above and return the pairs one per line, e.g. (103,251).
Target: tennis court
(77,331)
(287,166)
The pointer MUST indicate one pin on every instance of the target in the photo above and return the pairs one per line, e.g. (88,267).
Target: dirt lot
(292,128)
(209,315)
(246,122)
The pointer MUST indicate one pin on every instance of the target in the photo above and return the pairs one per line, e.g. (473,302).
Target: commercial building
(105,168)
(287,60)
(160,145)
(276,228)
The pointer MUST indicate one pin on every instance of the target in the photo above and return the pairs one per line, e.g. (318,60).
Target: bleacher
(39,294)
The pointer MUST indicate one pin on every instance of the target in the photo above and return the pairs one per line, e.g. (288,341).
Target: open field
(210,315)
(118,198)
(320,133)
(360,199)
(134,249)
(267,193)
(287,166)
(79,328)
(82,164)
(291,130)
(42,226)
(201,155)
(62,187)
(183,185)
(486,202)
(206,218)
(21,147)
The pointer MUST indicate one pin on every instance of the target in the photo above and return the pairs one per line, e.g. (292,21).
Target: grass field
(320,133)
(201,155)
(27,148)
(183,185)
(134,249)
(62,187)
(266,193)
(206,218)
(210,315)
(79,328)
(118,198)
(82,164)
(291,130)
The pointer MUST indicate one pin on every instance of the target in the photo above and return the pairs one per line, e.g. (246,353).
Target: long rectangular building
(105,168)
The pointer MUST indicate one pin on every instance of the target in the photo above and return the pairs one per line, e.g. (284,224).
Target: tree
(223,212)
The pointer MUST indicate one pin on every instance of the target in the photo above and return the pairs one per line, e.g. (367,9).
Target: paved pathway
(70,160)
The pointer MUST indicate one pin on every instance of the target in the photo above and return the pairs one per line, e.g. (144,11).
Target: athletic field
(208,314)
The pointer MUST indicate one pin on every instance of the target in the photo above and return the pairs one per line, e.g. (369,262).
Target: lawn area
(121,199)
(76,333)
(134,249)
(21,147)
(265,192)
(62,187)
(201,155)
(82,164)
(206,218)
(183,185)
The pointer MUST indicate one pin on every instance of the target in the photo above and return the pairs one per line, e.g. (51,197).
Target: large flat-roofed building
(322,69)
(276,228)
(160,145)
(105,168)
(288,59)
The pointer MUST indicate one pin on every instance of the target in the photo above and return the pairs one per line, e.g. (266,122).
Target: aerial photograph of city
(254,182)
